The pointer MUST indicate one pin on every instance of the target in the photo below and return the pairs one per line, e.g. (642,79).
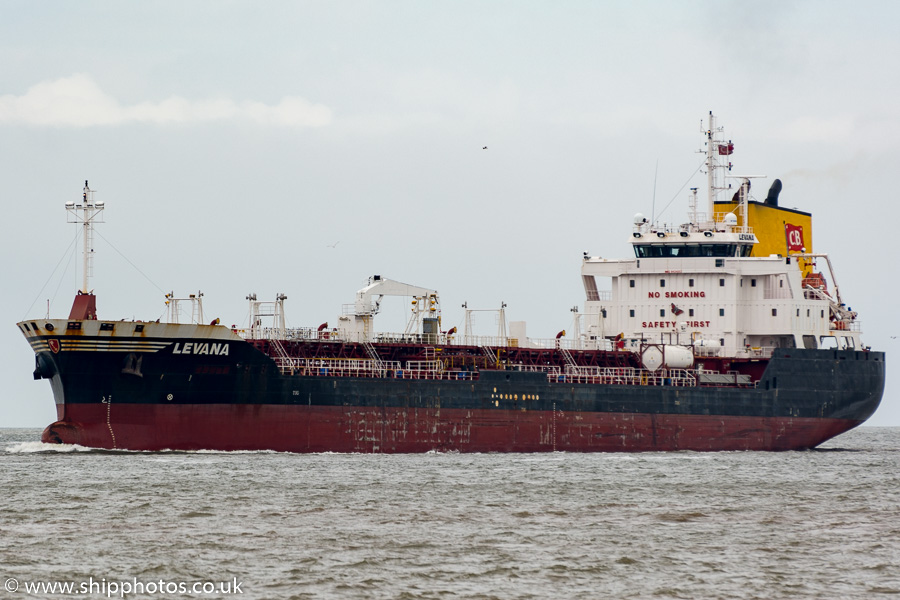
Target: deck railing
(341,367)
(309,334)
(625,376)
(345,367)
(755,352)
(599,295)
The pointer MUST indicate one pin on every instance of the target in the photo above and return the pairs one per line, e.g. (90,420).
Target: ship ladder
(567,356)
(489,354)
(373,354)
(284,362)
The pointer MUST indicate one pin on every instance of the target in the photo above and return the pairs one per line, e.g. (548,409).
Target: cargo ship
(725,332)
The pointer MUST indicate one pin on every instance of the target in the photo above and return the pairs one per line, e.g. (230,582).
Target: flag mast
(715,148)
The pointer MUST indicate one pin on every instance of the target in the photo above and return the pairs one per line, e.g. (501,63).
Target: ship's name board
(676,295)
(220,349)
(672,324)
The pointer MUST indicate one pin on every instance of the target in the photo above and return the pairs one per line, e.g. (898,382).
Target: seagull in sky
(484,148)
(334,245)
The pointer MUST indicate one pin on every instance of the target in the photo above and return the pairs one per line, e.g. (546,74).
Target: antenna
(692,205)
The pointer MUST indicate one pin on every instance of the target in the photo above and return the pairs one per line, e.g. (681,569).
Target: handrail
(598,295)
(626,376)
(755,352)
(311,334)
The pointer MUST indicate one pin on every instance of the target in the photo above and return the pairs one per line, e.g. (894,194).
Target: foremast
(85,214)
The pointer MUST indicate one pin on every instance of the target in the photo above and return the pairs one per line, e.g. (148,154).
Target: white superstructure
(699,284)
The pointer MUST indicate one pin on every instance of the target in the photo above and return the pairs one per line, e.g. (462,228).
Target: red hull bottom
(397,430)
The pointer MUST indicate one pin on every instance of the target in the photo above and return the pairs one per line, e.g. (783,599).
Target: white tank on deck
(707,347)
(667,356)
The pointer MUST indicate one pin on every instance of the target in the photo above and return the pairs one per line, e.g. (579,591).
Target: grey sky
(234,142)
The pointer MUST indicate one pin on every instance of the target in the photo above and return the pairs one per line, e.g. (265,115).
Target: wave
(44,448)
(41,447)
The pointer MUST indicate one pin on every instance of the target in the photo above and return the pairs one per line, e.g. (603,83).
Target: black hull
(826,391)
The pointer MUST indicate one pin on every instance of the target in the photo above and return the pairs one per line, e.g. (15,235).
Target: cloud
(77,101)
(838,172)
(821,129)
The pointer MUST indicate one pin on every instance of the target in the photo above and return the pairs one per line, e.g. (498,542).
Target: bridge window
(687,250)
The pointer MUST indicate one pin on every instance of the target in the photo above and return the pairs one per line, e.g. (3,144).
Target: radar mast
(715,148)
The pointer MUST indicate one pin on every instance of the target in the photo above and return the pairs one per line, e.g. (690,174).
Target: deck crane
(357,321)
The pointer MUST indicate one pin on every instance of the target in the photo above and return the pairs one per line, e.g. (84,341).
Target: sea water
(815,524)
